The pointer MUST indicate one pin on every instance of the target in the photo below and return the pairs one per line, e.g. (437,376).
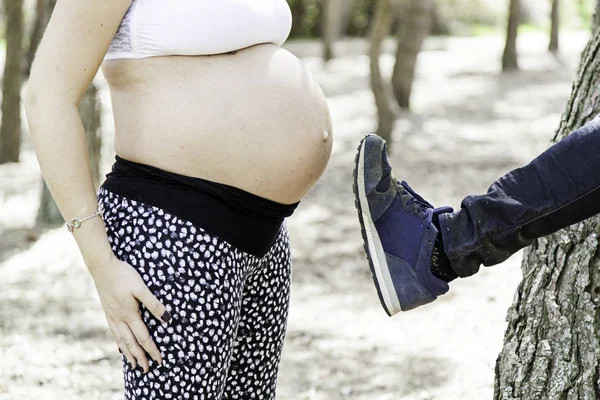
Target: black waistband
(248,222)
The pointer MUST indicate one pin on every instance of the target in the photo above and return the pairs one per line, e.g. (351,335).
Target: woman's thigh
(199,278)
(263,322)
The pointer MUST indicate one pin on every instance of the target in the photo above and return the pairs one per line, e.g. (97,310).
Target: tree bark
(48,213)
(298,10)
(509,57)
(554,29)
(380,27)
(90,110)
(332,17)
(552,342)
(43,9)
(10,131)
(596,19)
(439,26)
(345,14)
(412,32)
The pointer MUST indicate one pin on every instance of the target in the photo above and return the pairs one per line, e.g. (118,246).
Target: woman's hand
(121,288)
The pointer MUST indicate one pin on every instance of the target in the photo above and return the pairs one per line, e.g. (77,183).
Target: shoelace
(424,206)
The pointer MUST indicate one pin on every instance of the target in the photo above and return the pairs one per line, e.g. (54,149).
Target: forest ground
(468,126)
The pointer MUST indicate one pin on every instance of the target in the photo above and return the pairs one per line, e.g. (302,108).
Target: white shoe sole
(373,247)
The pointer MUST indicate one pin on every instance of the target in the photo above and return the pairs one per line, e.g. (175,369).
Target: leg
(558,188)
(398,231)
(199,278)
(405,237)
(257,350)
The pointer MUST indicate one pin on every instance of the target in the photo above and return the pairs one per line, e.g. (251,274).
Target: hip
(249,223)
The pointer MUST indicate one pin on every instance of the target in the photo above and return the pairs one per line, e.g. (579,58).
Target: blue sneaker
(397,230)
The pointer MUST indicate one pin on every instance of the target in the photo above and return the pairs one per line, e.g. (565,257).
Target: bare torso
(255,119)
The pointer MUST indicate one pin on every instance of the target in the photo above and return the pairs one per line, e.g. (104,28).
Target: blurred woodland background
(467,89)
(410,21)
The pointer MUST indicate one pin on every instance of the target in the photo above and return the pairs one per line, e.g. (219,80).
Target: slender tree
(439,25)
(43,9)
(596,19)
(332,17)
(298,11)
(554,29)
(381,24)
(413,29)
(10,131)
(551,345)
(509,57)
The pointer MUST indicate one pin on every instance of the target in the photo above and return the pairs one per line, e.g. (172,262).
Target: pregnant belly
(255,119)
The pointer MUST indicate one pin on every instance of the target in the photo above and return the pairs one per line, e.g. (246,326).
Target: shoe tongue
(416,196)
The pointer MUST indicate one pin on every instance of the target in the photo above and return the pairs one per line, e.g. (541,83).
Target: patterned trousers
(229,308)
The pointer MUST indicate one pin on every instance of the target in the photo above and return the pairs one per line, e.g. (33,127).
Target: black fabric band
(248,222)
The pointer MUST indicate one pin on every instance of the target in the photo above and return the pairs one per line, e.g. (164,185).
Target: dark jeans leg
(558,188)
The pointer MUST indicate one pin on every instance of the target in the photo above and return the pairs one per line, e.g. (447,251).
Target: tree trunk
(48,214)
(43,9)
(10,132)
(439,26)
(509,58)
(90,110)
(555,22)
(380,27)
(332,15)
(596,19)
(345,13)
(552,342)
(412,32)
(298,10)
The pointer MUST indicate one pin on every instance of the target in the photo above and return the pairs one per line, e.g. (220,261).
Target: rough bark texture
(509,57)
(554,29)
(331,27)
(381,25)
(10,132)
(552,342)
(90,111)
(412,32)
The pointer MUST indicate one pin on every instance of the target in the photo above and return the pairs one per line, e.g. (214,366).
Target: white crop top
(198,27)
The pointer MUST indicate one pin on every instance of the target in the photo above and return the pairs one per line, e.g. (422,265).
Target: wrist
(75,223)
(94,246)
(99,263)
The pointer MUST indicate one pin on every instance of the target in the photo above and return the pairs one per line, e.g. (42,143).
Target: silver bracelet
(76,222)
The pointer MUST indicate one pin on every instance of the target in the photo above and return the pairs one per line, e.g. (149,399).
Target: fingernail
(166,317)
(119,350)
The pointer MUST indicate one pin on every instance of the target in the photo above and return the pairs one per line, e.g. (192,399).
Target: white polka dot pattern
(229,308)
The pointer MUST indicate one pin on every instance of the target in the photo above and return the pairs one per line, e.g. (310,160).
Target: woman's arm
(68,57)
